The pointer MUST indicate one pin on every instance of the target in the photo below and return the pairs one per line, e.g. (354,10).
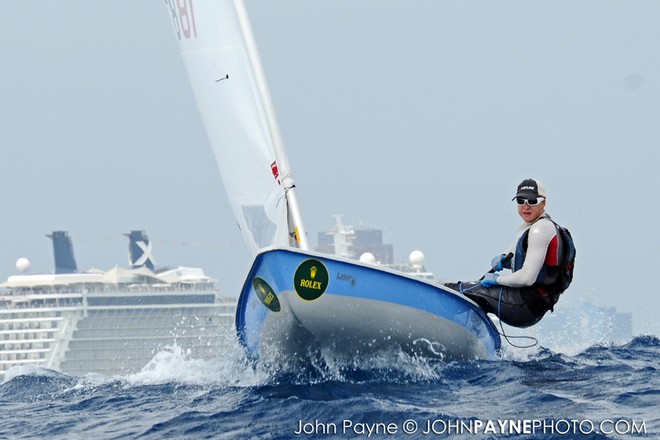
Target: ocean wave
(229,397)
(234,369)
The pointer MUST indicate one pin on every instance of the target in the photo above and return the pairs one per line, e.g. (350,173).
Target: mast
(280,155)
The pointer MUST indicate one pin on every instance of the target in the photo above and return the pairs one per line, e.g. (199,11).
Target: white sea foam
(173,365)
(29,370)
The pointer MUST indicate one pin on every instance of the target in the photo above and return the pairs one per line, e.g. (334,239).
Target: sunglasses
(531,202)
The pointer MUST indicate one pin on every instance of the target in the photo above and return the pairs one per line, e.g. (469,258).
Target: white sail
(223,66)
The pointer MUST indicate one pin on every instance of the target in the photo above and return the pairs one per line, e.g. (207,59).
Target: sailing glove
(490,280)
(497,262)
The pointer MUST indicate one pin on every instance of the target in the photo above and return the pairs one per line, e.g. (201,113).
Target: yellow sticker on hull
(266,294)
(311,279)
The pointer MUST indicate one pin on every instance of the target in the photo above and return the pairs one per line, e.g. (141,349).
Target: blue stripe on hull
(305,301)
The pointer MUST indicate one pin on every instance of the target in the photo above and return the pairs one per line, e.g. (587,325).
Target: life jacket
(556,274)
(567,261)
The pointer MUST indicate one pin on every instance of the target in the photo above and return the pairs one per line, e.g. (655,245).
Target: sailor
(522,297)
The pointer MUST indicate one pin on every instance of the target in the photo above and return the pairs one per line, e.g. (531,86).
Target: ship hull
(294,304)
(113,331)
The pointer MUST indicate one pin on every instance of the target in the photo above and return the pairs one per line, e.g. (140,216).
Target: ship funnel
(65,262)
(139,250)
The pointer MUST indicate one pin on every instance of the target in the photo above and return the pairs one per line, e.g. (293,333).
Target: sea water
(603,392)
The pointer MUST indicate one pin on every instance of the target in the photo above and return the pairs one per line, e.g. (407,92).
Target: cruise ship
(109,322)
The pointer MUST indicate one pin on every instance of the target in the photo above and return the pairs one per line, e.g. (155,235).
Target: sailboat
(295,302)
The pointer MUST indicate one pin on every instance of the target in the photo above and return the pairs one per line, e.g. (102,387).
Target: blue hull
(295,303)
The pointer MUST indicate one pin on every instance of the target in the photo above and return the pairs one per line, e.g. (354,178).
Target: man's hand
(497,263)
(490,280)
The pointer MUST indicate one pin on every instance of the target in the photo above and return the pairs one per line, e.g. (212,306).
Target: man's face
(530,213)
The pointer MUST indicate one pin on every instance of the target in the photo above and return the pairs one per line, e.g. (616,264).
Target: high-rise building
(349,242)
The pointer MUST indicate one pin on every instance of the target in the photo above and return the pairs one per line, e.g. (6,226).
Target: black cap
(530,189)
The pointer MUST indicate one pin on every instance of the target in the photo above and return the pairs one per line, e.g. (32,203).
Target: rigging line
(175,242)
(286,190)
(534,342)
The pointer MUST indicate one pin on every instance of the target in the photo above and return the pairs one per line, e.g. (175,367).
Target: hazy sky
(417,117)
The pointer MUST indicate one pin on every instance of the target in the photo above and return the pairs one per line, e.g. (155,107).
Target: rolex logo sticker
(266,294)
(310,279)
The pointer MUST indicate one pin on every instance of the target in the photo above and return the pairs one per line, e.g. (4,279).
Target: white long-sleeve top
(542,234)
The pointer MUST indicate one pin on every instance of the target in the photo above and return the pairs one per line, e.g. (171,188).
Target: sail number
(183,18)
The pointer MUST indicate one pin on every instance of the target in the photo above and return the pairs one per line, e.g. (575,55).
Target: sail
(227,81)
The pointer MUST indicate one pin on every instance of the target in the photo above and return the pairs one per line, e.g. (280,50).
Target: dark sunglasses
(531,202)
